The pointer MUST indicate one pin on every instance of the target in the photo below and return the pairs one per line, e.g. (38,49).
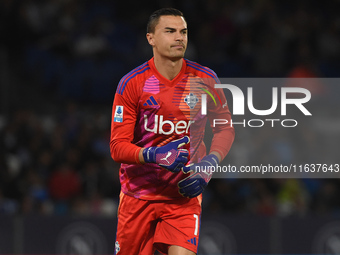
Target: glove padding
(168,156)
(201,173)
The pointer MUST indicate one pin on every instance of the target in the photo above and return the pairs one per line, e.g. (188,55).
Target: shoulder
(135,74)
(200,70)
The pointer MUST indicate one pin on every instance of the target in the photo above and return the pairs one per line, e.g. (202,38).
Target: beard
(177,53)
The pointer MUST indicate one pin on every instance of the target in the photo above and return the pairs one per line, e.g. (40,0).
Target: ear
(150,38)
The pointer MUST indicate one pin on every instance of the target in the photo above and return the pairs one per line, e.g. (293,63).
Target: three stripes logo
(192,240)
(151,102)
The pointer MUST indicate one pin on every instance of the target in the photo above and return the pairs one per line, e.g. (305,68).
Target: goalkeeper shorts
(145,226)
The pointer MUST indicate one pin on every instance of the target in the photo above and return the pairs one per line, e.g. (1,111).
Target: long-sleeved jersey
(150,110)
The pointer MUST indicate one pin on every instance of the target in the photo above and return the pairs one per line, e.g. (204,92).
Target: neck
(168,68)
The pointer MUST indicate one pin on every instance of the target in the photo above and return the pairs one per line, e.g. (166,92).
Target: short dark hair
(154,17)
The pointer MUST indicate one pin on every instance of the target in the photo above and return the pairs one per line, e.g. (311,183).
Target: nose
(179,36)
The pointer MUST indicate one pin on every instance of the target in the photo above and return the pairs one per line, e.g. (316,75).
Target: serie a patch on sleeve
(118,117)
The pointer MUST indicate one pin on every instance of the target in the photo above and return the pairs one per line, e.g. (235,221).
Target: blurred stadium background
(60,63)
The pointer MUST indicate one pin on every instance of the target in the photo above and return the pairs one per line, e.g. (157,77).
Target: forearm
(222,142)
(125,152)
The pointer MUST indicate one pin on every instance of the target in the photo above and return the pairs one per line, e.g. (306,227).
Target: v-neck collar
(164,80)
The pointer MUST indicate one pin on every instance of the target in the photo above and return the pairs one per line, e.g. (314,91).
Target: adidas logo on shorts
(192,240)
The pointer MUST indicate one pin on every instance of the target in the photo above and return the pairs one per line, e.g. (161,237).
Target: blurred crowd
(57,163)
(61,61)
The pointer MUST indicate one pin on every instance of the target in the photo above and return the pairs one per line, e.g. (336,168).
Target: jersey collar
(164,80)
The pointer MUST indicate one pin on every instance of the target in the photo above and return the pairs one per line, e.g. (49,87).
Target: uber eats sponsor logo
(166,127)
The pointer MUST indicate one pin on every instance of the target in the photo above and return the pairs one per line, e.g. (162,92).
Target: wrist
(218,155)
(212,159)
(140,156)
(148,154)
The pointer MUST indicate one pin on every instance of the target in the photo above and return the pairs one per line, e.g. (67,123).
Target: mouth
(179,46)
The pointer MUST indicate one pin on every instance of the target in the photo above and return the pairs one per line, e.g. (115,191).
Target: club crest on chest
(191,100)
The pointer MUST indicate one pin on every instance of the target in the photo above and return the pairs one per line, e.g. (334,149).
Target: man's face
(170,37)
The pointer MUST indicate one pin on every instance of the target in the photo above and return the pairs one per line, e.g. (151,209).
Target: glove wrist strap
(149,155)
(211,159)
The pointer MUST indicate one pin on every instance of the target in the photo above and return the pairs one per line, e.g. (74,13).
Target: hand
(201,173)
(168,156)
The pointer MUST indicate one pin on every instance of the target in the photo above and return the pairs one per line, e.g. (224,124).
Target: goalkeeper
(157,135)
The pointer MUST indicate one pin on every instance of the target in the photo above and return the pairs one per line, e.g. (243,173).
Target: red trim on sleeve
(137,155)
